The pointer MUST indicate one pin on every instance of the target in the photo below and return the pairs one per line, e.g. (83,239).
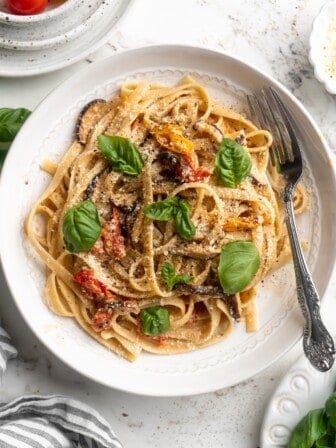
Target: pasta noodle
(109,287)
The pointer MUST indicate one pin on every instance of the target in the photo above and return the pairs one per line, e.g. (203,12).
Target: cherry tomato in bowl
(26,7)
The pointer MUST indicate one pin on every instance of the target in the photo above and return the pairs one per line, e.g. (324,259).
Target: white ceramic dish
(45,47)
(322,52)
(56,31)
(302,389)
(52,11)
(47,134)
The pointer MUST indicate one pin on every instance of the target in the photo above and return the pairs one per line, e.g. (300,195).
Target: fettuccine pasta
(161,219)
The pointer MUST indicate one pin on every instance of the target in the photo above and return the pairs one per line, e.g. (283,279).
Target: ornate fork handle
(318,344)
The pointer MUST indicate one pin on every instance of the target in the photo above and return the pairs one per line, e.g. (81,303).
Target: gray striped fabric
(51,421)
(7,351)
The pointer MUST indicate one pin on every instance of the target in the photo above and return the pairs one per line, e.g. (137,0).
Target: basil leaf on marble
(11,121)
(330,408)
(309,430)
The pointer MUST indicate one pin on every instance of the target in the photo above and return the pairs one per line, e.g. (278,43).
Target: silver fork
(285,154)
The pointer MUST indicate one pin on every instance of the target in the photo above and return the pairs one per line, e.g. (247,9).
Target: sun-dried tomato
(114,242)
(182,167)
(93,288)
(195,174)
(161,339)
(102,319)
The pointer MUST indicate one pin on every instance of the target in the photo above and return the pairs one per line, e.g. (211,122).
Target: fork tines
(271,113)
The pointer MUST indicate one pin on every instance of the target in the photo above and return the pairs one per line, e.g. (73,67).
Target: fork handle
(318,344)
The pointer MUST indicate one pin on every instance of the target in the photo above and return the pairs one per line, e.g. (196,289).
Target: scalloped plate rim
(301,368)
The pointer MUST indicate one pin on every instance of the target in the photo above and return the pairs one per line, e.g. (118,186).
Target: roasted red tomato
(114,242)
(92,288)
(26,7)
(102,319)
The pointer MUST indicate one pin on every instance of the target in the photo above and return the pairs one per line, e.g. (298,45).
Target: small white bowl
(54,30)
(51,12)
(322,54)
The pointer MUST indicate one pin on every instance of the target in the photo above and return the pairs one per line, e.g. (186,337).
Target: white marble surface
(273,35)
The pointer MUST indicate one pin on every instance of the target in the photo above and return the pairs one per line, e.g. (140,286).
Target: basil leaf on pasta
(81,227)
(239,262)
(162,210)
(169,277)
(122,154)
(154,320)
(232,163)
(173,208)
(184,226)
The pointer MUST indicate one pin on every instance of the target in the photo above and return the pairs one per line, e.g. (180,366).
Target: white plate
(47,46)
(56,31)
(49,131)
(302,389)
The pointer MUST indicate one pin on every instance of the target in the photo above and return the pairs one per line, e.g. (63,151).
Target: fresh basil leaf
(162,210)
(11,121)
(81,227)
(122,154)
(232,163)
(184,226)
(239,262)
(3,154)
(326,441)
(173,208)
(330,408)
(4,146)
(183,279)
(169,277)
(184,206)
(154,320)
(310,429)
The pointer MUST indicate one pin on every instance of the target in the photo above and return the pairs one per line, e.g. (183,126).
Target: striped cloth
(7,351)
(51,421)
